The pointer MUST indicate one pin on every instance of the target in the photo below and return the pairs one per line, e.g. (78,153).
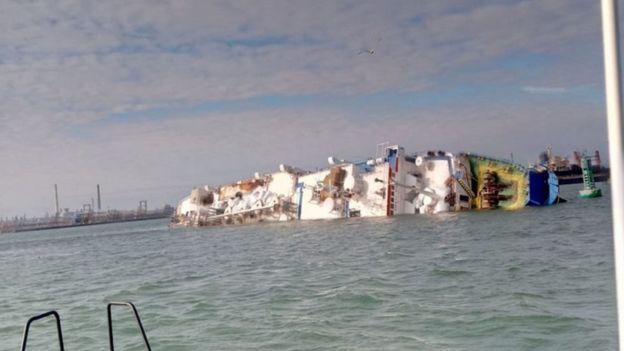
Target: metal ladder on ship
(110,326)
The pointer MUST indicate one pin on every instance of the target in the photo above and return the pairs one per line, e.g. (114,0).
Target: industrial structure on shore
(570,170)
(88,215)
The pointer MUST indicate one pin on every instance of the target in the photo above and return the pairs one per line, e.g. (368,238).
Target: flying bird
(372,50)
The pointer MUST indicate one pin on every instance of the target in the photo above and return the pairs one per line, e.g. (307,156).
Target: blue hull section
(543,188)
(553,184)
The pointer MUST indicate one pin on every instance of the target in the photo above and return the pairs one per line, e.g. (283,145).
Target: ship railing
(111,340)
(42,316)
(136,317)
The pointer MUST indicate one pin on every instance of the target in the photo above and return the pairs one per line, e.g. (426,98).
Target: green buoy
(589,189)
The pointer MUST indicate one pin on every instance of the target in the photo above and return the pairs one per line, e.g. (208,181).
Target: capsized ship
(391,183)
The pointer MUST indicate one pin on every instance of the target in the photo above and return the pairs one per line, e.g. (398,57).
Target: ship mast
(616,147)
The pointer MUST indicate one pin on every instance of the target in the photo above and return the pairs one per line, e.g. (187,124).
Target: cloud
(97,57)
(161,160)
(544,90)
(69,69)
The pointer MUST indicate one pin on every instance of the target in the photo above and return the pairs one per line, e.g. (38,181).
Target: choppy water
(526,280)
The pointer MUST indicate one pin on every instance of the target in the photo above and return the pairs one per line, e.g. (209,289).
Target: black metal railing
(110,325)
(136,317)
(41,316)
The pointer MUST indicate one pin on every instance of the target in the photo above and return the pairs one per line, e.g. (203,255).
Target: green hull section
(590,190)
(590,193)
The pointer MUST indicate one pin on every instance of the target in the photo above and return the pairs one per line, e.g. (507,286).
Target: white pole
(616,152)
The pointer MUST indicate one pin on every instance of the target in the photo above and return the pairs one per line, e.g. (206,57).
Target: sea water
(534,279)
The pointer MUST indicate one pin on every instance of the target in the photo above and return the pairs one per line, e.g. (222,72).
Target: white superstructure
(390,184)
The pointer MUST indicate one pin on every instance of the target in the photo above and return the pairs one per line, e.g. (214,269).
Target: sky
(149,98)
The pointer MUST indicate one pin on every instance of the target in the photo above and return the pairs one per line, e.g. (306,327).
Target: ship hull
(543,188)
(392,183)
(498,183)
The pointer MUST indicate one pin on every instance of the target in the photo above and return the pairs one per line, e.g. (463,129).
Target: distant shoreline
(32,228)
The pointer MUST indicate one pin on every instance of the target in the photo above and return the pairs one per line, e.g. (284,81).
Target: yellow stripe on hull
(512,178)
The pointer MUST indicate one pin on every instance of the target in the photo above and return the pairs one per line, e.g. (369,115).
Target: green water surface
(534,279)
